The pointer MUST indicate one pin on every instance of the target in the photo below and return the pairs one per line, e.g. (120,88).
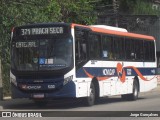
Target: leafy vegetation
(144,8)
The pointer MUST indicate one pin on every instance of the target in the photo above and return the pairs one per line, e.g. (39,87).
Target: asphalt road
(147,103)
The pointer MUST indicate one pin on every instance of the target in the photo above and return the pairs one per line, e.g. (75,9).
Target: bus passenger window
(129,48)
(139,50)
(149,50)
(119,48)
(152,49)
(94,46)
(107,47)
(81,46)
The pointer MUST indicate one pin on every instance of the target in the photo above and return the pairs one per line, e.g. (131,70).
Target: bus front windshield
(45,54)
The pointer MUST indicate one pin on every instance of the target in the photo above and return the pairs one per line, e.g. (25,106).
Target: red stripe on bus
(139,73)
(127,34)
(121,71)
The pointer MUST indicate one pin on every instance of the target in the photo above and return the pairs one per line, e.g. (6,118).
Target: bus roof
(114,31)
(110,28)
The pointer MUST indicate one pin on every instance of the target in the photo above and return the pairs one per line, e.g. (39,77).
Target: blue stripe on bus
(112,71)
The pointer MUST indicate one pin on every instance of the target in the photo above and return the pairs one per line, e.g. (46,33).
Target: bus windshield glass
(41,54)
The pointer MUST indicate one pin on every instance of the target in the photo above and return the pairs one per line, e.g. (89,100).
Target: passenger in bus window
(132,55)
(110,55)
(105,54)
(83,51)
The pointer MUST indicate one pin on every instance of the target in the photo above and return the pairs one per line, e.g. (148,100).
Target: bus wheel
(134,94)
(91,98)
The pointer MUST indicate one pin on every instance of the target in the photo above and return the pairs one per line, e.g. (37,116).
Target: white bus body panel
(113,85)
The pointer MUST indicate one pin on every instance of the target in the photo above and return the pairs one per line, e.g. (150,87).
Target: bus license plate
(40,95)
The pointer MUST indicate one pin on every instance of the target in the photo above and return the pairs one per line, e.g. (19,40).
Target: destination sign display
(42,31)
(26,44)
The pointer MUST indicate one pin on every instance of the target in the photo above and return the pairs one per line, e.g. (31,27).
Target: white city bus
(60,60)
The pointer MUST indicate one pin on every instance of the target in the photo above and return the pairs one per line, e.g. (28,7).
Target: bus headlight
(68,79)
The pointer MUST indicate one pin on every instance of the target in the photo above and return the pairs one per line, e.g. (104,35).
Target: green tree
(144,7)
(71,11)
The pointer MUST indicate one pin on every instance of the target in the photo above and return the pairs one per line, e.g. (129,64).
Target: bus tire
(90,100)
(134,95)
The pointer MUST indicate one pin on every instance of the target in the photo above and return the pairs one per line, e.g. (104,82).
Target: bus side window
(119,48)
(94,48)
(130,49)
(127,48)
(107,52)
(146,50)
(149,51)
(81,46)
(139,50)
(152,48)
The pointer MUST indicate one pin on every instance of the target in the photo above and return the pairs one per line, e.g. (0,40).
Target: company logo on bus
(29,87)
(109,71)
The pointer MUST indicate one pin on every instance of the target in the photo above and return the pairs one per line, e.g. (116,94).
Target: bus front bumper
(67,91)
